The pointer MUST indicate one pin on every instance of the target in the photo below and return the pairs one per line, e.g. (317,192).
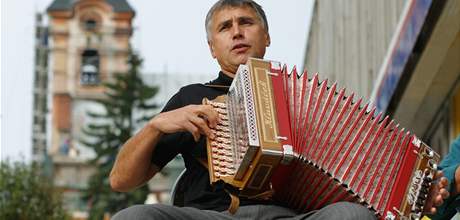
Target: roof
(120,5)
(65,5)
(61,5)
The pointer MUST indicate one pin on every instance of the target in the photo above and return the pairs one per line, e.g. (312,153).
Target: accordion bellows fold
(309,143)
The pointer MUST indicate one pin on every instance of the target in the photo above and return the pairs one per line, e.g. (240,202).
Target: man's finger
(438,200)
(443,182)
(209,113)
(202,125)
(193,130)
(438,175)
(444,193)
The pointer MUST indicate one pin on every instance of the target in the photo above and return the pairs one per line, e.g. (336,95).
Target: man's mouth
(240,47)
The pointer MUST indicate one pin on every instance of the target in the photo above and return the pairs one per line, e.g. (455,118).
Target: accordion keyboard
(221,148)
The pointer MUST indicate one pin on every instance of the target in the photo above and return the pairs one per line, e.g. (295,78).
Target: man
(236,30)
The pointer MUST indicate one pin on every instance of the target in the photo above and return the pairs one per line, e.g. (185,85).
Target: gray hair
(221,4)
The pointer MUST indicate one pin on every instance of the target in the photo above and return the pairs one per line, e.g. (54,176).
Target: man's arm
(133,165)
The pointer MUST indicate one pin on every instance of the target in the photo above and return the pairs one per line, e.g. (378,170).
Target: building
(419,80)
(348,40)
(40,92)
(89,43)
(402,54)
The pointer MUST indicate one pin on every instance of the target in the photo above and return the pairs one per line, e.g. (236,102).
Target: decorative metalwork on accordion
(313,144)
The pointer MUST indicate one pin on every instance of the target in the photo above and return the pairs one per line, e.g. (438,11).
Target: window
(90,67)
(90,25)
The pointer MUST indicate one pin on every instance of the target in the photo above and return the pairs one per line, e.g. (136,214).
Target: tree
(27,194)
(125,107)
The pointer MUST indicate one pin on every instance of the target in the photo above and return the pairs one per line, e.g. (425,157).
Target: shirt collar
(222,80)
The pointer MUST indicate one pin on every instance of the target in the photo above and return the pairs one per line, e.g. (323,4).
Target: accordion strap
(217,86)
(234,203)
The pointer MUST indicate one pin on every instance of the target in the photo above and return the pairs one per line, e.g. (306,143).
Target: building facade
(89,43)
(403,55)
(348,40)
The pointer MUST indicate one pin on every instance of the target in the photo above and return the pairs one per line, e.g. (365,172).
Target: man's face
(236,33)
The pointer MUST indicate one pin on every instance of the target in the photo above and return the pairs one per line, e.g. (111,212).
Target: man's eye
(249,22)
(223,28)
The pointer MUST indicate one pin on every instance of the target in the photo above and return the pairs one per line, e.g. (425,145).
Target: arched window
(90,21)
(89,67)
(90,24)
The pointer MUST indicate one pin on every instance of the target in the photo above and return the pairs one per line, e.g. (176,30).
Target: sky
(169,35)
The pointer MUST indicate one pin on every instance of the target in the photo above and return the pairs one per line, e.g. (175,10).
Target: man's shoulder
(194,93)
(200,90)
(192,88)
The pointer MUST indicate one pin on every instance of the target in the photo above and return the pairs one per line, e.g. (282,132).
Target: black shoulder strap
(217,86)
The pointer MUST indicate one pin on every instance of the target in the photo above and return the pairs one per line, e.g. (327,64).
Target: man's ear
(267,40)
(211,49)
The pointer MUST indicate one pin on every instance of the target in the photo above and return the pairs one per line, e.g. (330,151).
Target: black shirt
(197,190)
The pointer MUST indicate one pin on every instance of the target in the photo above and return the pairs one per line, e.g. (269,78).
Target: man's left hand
(438,193)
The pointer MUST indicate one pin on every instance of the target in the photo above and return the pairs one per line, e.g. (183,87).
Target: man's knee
(345,210)
(355,211)
(138,212)
(161,211)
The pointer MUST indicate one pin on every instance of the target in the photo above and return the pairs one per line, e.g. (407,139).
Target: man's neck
(229,74)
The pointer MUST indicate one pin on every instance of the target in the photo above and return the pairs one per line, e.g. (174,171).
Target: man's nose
(237,31)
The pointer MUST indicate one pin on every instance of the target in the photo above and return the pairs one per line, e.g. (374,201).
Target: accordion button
(226,147)
(229,171)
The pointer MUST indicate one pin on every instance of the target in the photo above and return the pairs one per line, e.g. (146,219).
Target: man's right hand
(133,166)
(196,119)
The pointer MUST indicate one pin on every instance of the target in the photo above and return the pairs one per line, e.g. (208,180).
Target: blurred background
(66,64)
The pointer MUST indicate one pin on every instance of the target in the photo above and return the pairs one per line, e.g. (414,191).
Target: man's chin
(243,59)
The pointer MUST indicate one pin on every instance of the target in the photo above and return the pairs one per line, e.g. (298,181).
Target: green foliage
(126,108)
(26,194)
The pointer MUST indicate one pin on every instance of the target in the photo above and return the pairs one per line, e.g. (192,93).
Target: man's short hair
(221,4)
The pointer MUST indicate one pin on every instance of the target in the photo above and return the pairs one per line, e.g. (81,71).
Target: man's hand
(438,193)
(196,119)
(133,166)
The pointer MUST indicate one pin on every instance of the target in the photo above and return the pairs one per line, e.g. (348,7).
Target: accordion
(311,144)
